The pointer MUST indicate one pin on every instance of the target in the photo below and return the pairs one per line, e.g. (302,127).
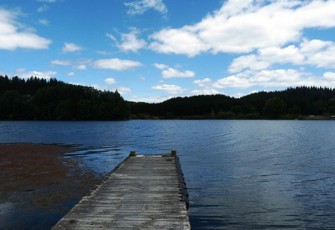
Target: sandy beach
(38,185)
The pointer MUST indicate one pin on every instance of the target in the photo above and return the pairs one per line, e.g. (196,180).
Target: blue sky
(152,50)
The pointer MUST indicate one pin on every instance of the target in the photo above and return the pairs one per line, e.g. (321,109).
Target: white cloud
(110,81)
(168,72)
(309,52)
(123,90)
(329,78)
(174,73)
(206,86)
(207,82)
(278,78)
(116,64)
(264,78)
(243,26)
(71,74)
(152,99)
(161,66)
(120,89)
(234,81)
(171,89)
(314,46)
(178,41)
(326,80)
(129,41)
(42,8)
(289,54)
(141,6)
(81,67)
(43,22)
(281,78)
(60,62)
(319,53)
(13,35)
(38,74)
(71,48)
(247,62)
(205,91)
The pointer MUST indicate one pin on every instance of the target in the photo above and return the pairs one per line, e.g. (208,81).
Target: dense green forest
(40,99)
(292,103)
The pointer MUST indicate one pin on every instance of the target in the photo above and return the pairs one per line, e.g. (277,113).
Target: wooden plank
(143,192)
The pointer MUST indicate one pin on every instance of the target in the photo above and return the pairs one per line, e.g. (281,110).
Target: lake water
(239,174)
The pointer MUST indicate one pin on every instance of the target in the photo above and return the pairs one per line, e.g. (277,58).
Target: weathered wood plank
(143,192)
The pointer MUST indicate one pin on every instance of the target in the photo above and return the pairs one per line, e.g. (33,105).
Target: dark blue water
(239,174)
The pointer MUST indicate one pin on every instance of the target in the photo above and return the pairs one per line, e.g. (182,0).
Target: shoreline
(34,148)
(38,185)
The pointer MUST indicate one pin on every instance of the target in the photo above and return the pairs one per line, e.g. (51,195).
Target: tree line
(41,99)
(292,103)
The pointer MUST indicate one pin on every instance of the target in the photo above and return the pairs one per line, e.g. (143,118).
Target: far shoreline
(183,118)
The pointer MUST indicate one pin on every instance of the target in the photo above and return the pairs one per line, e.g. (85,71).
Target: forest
(41,99)
(292,103)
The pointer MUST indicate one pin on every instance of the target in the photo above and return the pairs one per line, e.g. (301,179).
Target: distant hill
(40,99)
(292,103)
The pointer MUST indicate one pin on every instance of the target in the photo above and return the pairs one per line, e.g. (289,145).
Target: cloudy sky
(151,50)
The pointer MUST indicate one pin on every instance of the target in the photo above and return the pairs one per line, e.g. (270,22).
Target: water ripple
(240,174)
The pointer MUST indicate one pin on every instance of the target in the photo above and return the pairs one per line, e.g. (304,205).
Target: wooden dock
(143,192)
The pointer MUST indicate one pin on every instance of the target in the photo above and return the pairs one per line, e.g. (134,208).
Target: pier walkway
(143,192)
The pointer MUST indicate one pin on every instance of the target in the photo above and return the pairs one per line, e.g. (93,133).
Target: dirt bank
(38,185)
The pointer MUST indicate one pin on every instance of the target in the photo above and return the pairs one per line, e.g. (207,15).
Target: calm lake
(239,174)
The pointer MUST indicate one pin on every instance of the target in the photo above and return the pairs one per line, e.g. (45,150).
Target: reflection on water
(239,174)
(266,174)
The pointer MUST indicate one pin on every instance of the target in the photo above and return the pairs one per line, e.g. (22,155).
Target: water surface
(239,174)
